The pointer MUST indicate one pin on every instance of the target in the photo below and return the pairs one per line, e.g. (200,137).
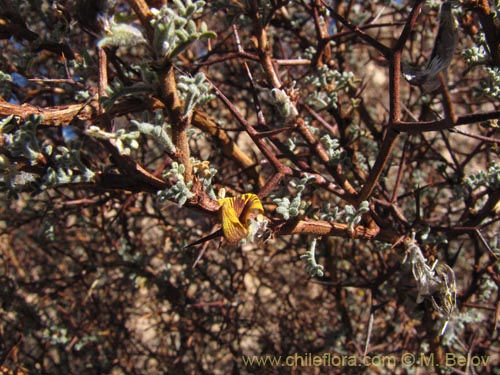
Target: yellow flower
(237,214)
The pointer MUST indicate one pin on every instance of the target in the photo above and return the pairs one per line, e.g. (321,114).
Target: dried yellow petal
(236,213)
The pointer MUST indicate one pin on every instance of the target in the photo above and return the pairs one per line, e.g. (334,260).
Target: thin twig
(384,50)
(263,46)
(321,153)
(253,133)
(402,164)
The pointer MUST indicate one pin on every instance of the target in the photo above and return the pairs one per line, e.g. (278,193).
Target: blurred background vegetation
(123,122)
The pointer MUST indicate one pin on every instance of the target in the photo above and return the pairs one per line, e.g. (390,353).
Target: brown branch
(263,46)
(342,34)
(254,134)
(169,94)
(324,228)
(142,10)
(65,115)
(179,122)
(380,163)
(395,87)
(394,57)
(487,210)
(52,116)
(134,170)
(478,117)
(384,50)
(250,56)
(323,49)
(203,122)
(102,85)
(410,23)
(321,153)
(402,164)
(270,184)
(280,169)
(391,134)
(103,76)
(428,126)
(319,228)
(449,112)
(476,136)
(113,181)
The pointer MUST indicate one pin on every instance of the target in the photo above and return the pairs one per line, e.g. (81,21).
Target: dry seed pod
(447,290)
(442,53)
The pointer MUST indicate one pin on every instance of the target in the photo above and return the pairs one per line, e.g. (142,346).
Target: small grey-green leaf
(180,6)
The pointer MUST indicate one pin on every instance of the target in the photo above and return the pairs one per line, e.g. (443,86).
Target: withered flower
(237,214)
